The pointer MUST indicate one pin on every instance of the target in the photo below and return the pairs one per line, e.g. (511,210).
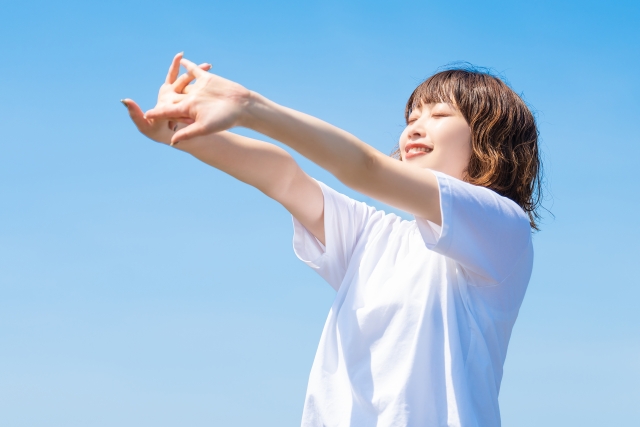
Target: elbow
(360,173)
(277,185)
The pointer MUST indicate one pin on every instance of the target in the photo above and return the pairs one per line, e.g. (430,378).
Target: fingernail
(124,103)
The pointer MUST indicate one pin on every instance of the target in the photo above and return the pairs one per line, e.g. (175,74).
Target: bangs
(463,88)
(437,88)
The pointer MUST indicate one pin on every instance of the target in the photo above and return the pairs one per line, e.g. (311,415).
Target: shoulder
(459,194)
(483,231)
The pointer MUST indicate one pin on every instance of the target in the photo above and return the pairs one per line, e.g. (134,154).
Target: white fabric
(418,332)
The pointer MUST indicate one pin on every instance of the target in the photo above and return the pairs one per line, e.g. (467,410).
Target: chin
(420,162)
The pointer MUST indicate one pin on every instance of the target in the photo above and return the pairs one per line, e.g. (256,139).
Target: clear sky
(141,287)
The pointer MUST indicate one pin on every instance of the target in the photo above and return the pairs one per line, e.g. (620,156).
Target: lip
(411,145)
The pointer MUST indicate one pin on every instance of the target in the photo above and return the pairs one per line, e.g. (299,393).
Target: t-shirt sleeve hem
(323,259)
(306,246)
(438,240)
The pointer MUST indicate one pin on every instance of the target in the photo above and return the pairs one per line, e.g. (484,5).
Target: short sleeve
(344,222)
(481,230)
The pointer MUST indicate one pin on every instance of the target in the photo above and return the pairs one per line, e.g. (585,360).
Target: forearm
(334,149)
(265,166)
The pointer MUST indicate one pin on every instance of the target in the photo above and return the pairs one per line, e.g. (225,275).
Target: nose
(415,130)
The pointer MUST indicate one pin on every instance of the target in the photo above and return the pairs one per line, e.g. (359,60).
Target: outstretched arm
(216,104)
(355,163)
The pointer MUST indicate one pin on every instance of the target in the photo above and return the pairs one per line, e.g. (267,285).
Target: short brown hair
(504,136)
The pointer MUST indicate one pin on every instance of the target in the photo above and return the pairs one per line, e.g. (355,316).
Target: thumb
(186,133)
(136,114)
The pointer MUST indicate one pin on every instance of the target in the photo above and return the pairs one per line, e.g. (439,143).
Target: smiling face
(437,137)
(469,124)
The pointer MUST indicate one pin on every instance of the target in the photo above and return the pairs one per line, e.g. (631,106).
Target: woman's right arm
(265,166)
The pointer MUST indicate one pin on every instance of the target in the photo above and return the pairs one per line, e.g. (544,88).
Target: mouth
(413,150)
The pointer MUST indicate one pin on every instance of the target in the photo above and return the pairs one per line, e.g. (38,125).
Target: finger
(174,69)
(167,111)
(182,81)
(191,131)
(136,114)
(187,88)
(192,68)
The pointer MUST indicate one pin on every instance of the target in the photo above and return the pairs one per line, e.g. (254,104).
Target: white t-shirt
(418,332)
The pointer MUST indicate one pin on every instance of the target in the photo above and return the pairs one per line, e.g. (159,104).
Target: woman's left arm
(355,163)
(216,104)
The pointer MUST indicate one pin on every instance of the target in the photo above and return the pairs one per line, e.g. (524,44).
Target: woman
(418,332)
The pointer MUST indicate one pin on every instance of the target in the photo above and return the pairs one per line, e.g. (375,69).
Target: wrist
(254,104)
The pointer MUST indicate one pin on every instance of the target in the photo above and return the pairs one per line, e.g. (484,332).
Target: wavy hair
(504,135)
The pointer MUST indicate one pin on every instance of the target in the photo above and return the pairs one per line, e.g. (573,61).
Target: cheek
(465,141)
(460,139)
(455,152)
(458,132)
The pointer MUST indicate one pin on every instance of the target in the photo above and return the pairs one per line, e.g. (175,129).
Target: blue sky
(140,287)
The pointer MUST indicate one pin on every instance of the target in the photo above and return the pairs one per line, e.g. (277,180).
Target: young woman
(418,332)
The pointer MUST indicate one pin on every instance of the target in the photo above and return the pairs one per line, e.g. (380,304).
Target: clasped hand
(212,104)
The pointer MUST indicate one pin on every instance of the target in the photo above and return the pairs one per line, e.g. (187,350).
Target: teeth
(417,149)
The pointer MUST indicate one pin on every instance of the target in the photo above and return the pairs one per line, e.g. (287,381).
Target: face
(437,137)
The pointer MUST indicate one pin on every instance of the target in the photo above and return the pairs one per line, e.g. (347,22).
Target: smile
(413,150)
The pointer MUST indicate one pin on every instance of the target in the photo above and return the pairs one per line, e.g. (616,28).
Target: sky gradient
(141,287)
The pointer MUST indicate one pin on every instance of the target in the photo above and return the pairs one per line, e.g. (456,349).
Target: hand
(173,89)
(212,103)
